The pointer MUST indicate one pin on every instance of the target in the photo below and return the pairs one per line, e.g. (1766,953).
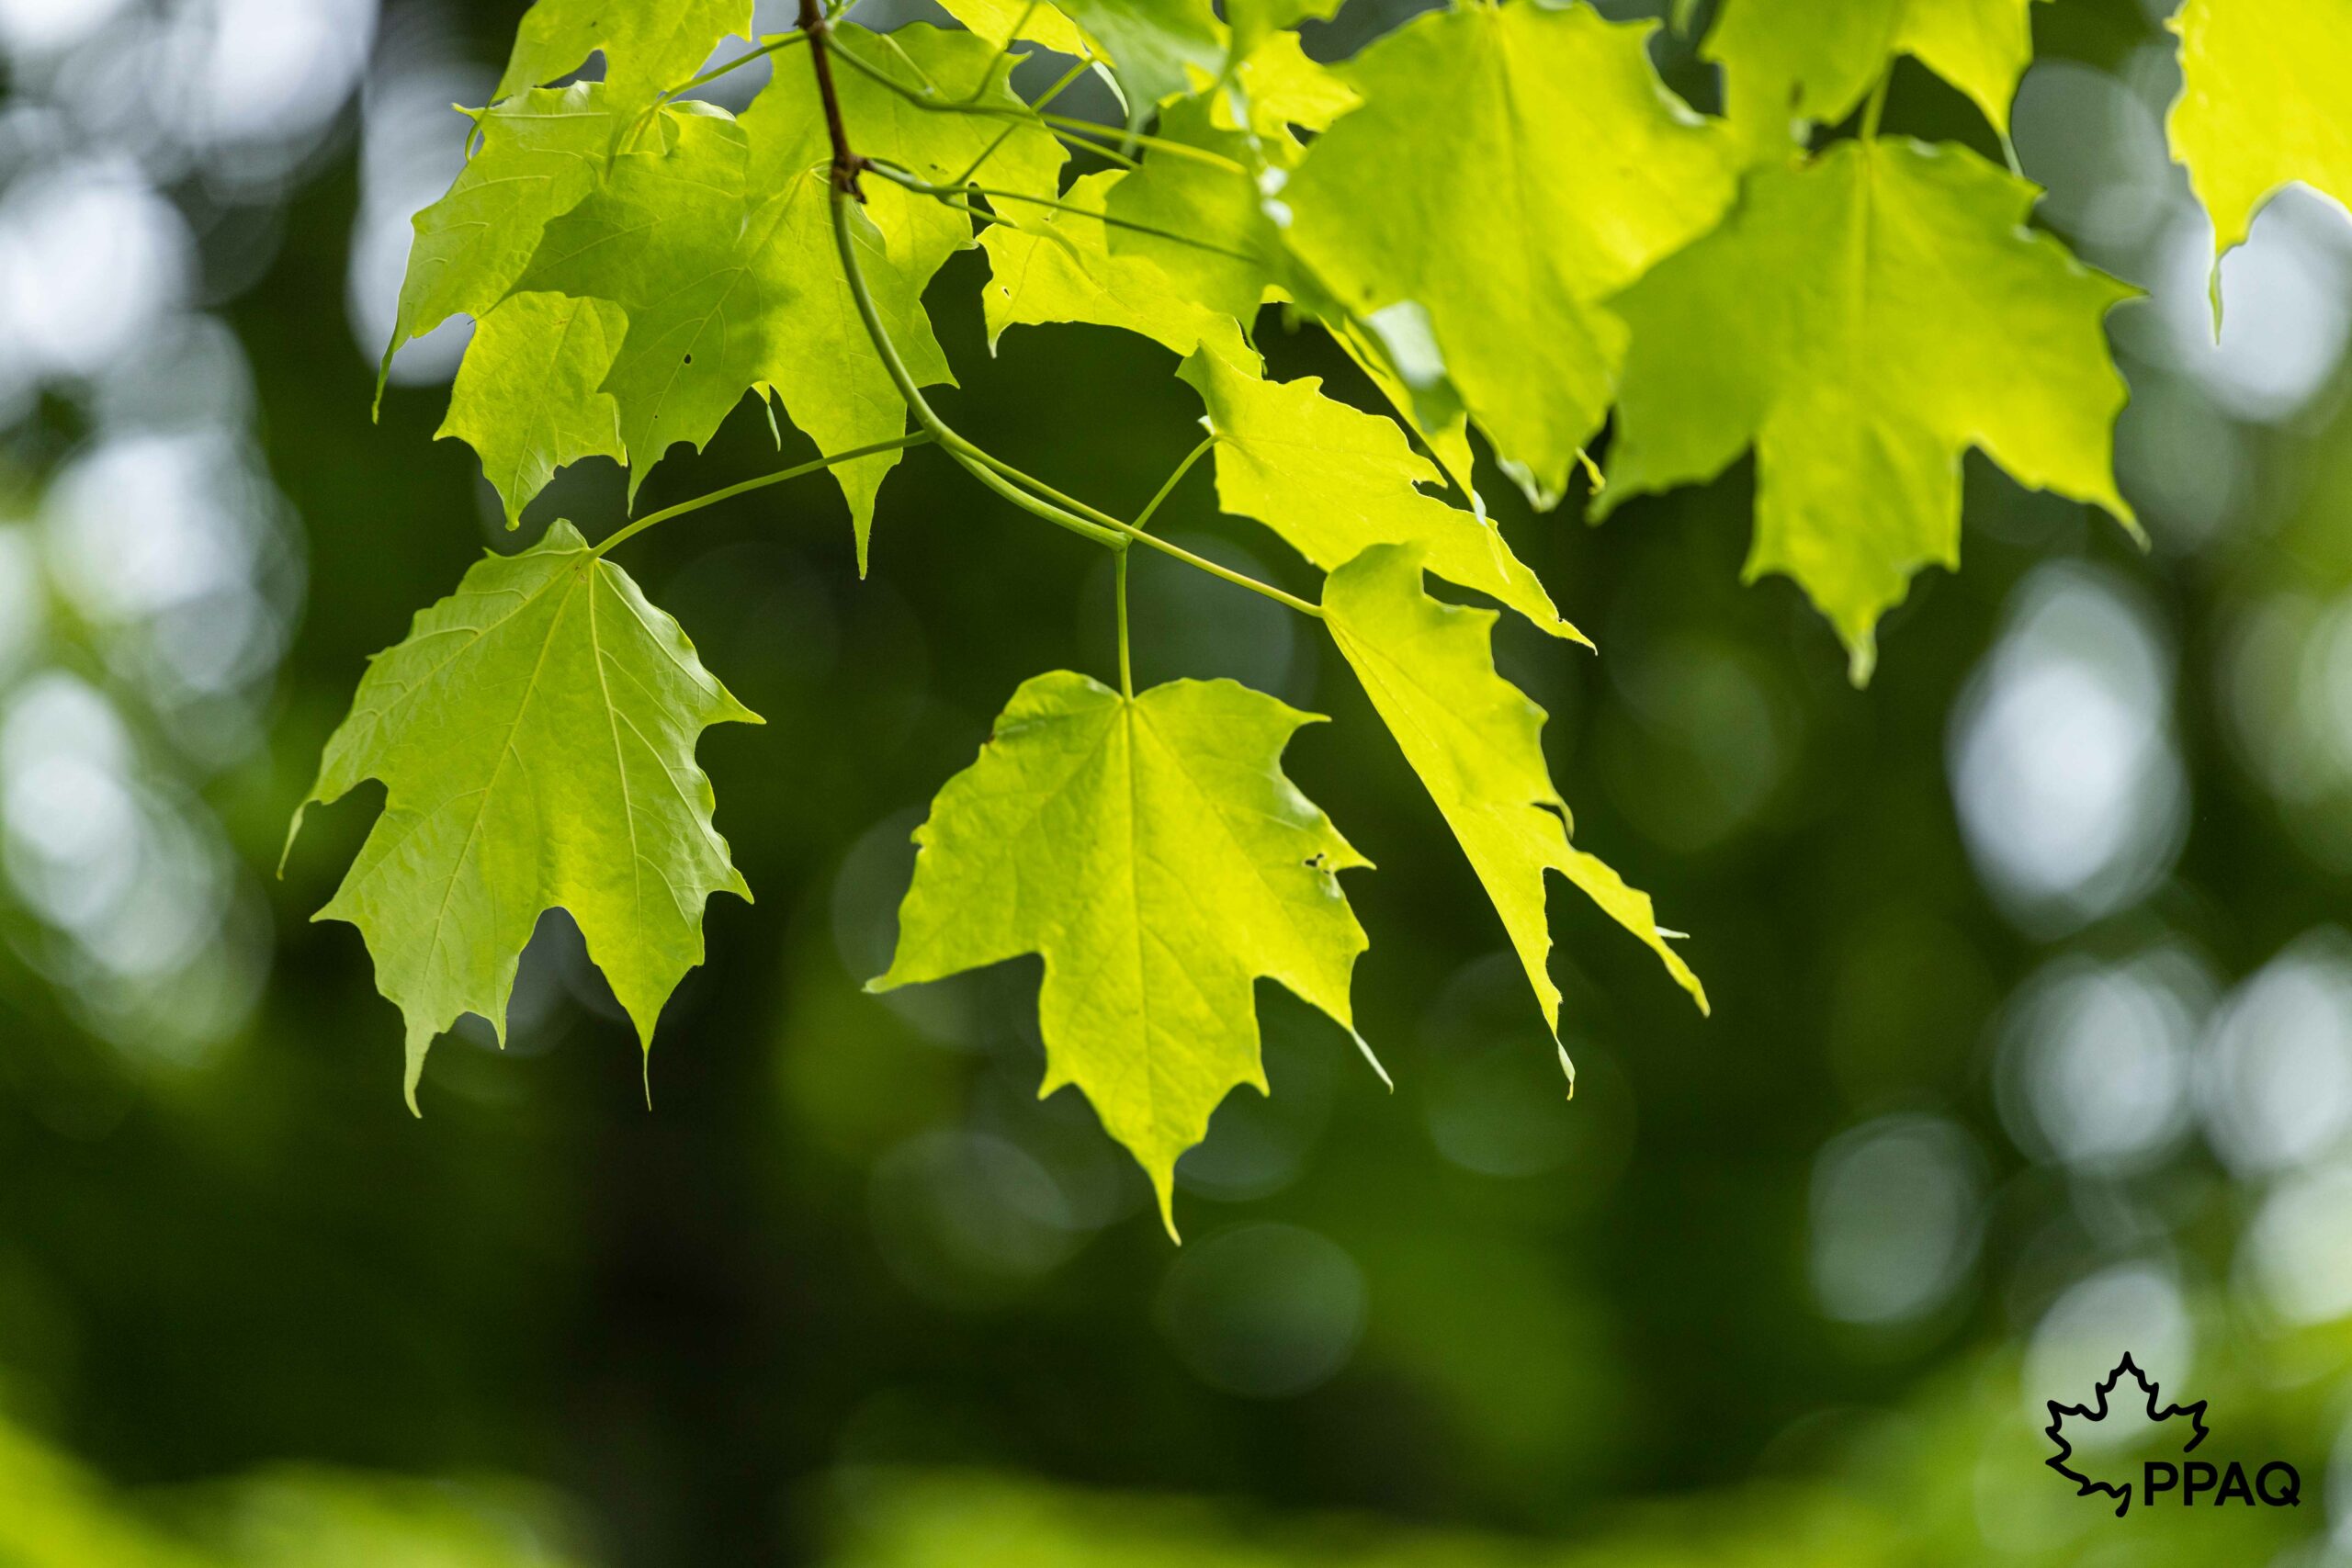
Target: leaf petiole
(1155,143)
(1038,498)
(921,98)
(783,41)
(1128,531)
(969,456)
(1061,85)
(1062,126)
(1876,106)
(1048,96)
(731,492)
(930,87)
(899,176)
(1143,518)
(1119,570)
(1119,593)
(767,47)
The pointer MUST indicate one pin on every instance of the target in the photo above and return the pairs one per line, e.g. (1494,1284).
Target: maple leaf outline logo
(2097,1412)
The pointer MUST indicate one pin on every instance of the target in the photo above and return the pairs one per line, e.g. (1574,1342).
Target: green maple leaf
(1511,166)
(527,397)
(1188,248)
(2261,106)
(1154,45)
(1280,85)
(665,238)
(1395,350)
(1255,21)
(535,735)
(1004,22)
(1152,852)
(1862,320)
(540,156)
(787,127)
(1333,480)
(1229,248)
(1059,267)
(718,247)
(1475,741)
(1789,62)
(829,377)
(650,46)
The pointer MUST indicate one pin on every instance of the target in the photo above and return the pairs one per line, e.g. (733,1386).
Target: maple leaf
(1059,267)
(716,243)
(1790,61)
(1333,480)
(1151,849)
(646,48)
(1475,740)
(1510,267)
(2097,1412)
(535,735)
(540,155)
(1860,320)
(1151,43)
(2260,107)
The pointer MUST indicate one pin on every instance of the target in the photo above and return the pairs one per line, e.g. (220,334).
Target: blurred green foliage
(1786,1286)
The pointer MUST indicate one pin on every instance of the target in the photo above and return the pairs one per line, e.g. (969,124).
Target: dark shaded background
(2033,1026)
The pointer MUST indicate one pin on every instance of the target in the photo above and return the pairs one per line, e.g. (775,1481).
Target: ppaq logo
(2134,1423)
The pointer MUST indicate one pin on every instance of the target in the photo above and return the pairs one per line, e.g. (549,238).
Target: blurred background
(2033,993)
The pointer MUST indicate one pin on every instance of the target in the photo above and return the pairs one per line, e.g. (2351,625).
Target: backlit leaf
(535,735)
(1225,250)
(1059,267)
(828,377)
(1002,22)
(1790,61)
(1152,852)
(1475,740)
(650,46)
(540,155)
(527,397)
(1513,165)
(1150,43)
(1862,320)
(2261,105)
(718,247)
(1333,480)
(1282,87)
(1255,21)
(666,238)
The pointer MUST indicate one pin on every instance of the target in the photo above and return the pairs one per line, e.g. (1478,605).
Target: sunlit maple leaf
(2126,1416)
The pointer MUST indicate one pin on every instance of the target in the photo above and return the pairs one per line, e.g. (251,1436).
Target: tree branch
(846,163)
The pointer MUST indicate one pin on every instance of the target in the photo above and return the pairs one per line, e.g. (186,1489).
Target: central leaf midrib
(505,751)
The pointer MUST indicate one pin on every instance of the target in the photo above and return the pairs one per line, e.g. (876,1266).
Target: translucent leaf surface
(1862,322)
(1475,740)
(540,156)
(1333,480)
(1156,856)
(528,397)
(1787,62)
(650,46)
(1151,43)
(1511,166)
(2262,103)
(1059,267)
(535,735)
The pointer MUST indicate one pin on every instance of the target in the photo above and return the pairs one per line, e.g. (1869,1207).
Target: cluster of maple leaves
(1498,212)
